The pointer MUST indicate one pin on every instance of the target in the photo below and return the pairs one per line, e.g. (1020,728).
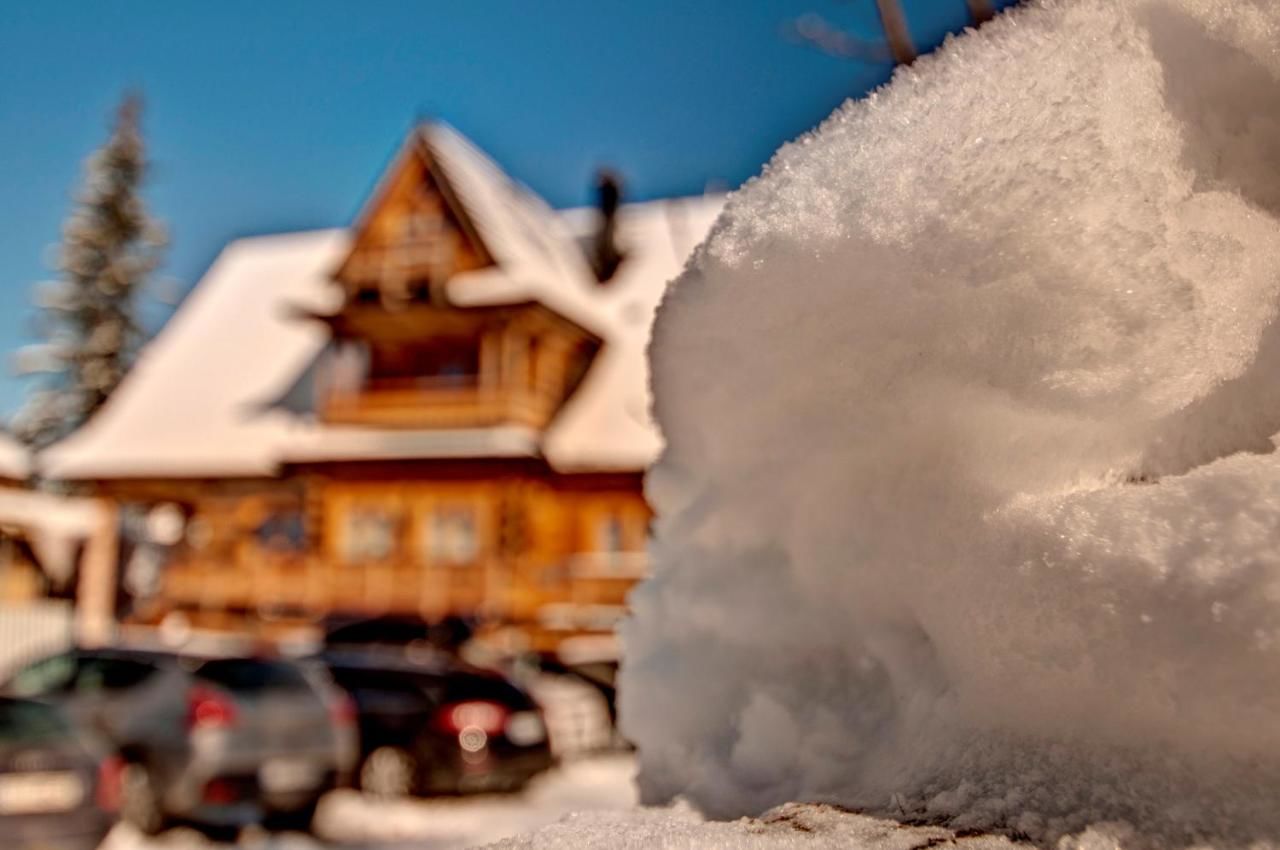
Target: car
(57,789)
(579,700)
(396,632)
(431,724)
(221,742)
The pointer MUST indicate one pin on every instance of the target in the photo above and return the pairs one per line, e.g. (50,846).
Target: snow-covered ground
(589,804)
(790,827)
(348,820)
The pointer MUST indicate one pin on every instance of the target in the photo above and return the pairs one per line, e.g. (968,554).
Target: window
(45,677)
(111,674)
(370,534)
(282,531)
(452,536)
(609,535)
(423,225)
(420,290)
(253,676)
(439,362)
(27,724)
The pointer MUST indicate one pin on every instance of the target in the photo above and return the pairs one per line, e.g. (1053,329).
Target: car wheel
(140,801)
(388,772)
(292,820)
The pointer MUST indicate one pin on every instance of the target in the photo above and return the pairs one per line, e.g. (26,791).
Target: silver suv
(223,742)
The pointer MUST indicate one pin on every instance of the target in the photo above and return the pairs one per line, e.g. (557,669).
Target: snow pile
(967,512)
(792,827)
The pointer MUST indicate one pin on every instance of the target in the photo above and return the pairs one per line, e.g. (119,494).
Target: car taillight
(110,783)
(342,711)
(458,717)
(209,709)
(220,792)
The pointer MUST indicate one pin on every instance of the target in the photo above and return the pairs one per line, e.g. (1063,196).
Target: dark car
(57,791)
(430,724)
(221,742)
(396,632)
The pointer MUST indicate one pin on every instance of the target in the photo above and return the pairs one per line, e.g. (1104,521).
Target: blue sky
(271,116)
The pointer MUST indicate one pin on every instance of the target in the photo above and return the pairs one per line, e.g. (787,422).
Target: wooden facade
(529,553)
(507,545)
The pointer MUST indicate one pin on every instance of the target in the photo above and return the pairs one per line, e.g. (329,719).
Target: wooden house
(441,411)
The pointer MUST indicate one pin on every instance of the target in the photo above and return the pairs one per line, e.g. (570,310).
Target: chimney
(604,255)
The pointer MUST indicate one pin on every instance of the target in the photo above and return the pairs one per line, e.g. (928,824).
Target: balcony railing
(434,403)
(514,590)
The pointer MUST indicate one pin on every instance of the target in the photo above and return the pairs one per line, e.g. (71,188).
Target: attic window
(420,290)
(424,225)
(434,363)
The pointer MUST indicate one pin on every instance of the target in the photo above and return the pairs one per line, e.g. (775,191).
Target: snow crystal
(967,511)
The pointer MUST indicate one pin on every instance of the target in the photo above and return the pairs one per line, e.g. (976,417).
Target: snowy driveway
(347,820)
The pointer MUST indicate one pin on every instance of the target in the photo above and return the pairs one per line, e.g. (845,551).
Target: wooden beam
(95,610)
(895,31)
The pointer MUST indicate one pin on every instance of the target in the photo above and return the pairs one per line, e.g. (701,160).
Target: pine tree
(110,247)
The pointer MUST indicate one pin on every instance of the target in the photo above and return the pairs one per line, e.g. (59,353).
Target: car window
(250,676)
(112,674)
(49,676)
(601,672)
(30,723)
(461,687)
(373,679)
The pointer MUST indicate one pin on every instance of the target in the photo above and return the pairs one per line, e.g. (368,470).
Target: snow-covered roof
(202,399)
(55,526)
(15,460)
(526,238)
(197,402)
(607,423)
(313,441)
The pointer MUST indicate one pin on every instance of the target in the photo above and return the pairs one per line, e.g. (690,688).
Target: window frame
(393,511)
(428,541)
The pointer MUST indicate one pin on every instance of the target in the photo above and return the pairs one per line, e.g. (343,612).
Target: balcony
(315,586)
(515,591)
(434,403)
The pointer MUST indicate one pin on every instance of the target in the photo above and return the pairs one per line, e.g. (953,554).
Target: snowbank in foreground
(966,510)
(793,827)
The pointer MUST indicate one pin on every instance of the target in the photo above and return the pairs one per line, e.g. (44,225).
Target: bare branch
(813,29)
(895,29)
(981,10)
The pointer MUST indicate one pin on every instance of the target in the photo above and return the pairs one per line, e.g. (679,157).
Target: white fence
(29,630)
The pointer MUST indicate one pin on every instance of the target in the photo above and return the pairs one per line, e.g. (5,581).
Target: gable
(412,236)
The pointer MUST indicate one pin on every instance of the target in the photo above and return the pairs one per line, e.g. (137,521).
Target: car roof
(188,661)
(124,652)
(386,661)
